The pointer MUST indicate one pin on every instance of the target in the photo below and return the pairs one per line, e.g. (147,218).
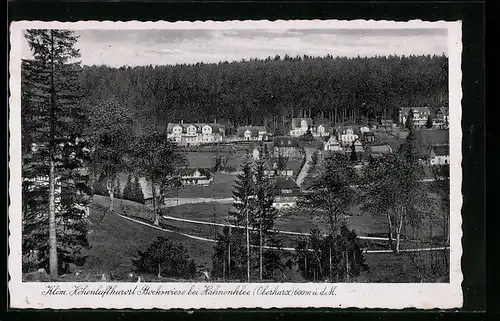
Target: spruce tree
(56,153)
(428,124)
(265,213)
(409,120)
(128,189)
(137,191)
(243,194)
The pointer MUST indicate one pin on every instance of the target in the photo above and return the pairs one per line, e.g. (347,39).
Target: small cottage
(196,176)
(439,155)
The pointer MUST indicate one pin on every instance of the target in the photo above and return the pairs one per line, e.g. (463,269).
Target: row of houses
(421,114)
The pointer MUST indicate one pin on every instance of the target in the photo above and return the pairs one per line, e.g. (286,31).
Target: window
(286,191)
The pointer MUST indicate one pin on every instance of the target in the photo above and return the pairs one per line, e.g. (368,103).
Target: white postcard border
(342,295)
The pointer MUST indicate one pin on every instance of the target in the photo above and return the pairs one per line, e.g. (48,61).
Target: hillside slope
(115,241)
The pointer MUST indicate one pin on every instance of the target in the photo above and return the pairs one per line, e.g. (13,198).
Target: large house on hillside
(286,146)
(251,133)
(347,135)
(420,115)
(300,126)
(195,133)
(287,192)
(332,144)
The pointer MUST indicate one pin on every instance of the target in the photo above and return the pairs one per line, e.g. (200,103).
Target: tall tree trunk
(155,210)
(330,262)
(248,245)
(52,175)
(229,261)
(110,184)
(389,225)
(347,265)
(260,248)
(398,231)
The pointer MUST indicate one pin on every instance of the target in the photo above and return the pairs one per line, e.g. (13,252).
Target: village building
(286,146)
(364,129)
(287,192)
(387,123)
(420,115)
(369,138)
(196,176)
(332,144)
(300,126)
(321,129)
(442,118)
(347,136)
(193,134)
(252,133)
(377,151)
(439,155)
(273,170)
(358,146)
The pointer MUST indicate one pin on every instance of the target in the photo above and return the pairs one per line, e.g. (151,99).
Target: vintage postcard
(235,164)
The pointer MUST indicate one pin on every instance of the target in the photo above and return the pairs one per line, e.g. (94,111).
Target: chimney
(182,121)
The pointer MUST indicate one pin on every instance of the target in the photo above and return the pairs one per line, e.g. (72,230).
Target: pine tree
(55,179)
(128,189)
(353,158)
(409,120)
(265,213)
(429,124)
(137,191)
(243,194)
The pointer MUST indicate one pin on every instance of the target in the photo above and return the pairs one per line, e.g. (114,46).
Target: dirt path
(305,169)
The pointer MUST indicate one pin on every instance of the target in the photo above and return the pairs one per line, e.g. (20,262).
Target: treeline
(273,90)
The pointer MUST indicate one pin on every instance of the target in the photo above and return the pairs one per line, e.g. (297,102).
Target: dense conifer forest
(273,90)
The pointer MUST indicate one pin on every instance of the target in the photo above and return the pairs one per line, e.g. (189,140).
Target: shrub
(166,259)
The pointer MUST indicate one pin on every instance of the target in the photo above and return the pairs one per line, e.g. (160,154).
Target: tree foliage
(166,259)
(336,258)
(264,91)
(55,182)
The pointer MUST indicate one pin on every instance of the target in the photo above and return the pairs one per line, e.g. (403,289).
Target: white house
(364,129)
(196,176)
(287,192)
(252,133)
(347,136)
(332,144)
(322,129)
(420,115)
(358,146)
(300,126)
(439,155)
(195,133)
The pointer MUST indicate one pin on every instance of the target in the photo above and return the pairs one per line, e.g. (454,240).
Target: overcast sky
(168,47)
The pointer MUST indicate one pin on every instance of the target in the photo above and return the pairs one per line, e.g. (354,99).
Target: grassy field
(222,187)
(115,241)
(207,159)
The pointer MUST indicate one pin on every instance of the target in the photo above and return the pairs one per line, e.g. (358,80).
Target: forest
(272,91)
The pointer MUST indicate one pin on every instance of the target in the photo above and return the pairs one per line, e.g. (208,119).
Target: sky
(175,46)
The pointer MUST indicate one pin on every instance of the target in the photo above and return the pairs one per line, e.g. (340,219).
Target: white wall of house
(439,160)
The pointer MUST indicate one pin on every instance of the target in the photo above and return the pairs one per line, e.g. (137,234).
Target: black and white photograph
(317,160)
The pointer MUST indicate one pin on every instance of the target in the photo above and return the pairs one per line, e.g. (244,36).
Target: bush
(166,259)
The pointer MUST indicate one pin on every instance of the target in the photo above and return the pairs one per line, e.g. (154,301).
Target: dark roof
(405,110)
(378,149)
(253,129)
(286,141)
(190,171)
(441,150)
(296,121)
(285,182)
(215,127)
